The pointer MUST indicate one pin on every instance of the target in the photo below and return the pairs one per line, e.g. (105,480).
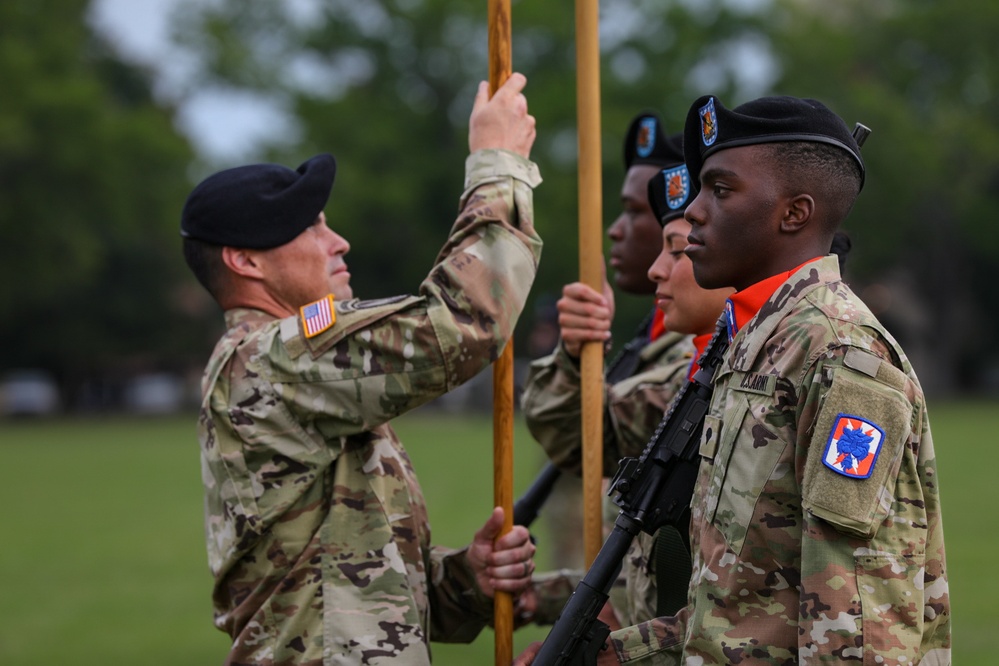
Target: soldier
(655,365)
(318,537)
(816,526)
(551,400)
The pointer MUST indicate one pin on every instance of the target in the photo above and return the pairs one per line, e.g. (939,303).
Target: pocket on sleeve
(855,452)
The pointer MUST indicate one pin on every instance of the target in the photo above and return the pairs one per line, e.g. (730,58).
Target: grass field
(102,560)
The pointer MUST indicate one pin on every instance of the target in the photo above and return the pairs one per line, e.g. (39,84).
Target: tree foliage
(92,176)
(93,173)
(923,75)
(387,87)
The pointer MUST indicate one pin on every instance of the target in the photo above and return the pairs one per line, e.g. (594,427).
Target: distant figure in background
(317,532)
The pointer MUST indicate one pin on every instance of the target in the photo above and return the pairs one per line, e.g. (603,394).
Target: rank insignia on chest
(853,446)
(318,316)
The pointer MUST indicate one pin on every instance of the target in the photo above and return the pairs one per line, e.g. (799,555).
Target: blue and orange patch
(677,186)
(709,122)
(645,142)
(853,446)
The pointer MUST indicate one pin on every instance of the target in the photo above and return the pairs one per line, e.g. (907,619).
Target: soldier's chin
(341,288)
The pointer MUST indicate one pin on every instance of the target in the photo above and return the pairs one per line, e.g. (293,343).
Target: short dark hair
(820,169)
(205,261)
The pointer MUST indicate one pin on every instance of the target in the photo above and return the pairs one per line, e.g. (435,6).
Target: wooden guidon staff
(500,68)
(590,264)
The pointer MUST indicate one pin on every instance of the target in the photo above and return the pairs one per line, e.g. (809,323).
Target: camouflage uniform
(633,408)
(794,562)
(317,532)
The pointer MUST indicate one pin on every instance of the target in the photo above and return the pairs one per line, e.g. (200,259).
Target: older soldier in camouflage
(816,525)
(318,537)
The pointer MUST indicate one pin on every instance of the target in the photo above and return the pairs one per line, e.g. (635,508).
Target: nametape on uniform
(318,316)
(853,446)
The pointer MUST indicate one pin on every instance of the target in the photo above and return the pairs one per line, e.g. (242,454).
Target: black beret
(647,143)
(669,193)
(711,127)
(258,206)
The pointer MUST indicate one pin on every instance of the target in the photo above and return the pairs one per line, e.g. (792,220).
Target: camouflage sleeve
(553,589)
(458,608)
(552,408)
(633,408)
(382,358)
(872,562)
(658,642)
(636,405)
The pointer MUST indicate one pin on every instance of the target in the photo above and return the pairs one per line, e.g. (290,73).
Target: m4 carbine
(653,490)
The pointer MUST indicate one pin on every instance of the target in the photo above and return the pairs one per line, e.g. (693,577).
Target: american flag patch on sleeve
(318,317)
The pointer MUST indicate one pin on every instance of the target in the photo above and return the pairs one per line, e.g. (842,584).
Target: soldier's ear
(242,262)
(798,211)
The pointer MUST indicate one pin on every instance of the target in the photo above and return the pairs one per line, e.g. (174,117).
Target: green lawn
(103,561)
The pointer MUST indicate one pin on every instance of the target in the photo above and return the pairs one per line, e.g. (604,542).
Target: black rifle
(653,490)
(526,509)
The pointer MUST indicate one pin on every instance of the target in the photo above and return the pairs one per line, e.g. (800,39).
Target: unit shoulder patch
(355,305)
(853,446)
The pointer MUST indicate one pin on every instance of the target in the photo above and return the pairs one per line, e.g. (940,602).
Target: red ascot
(743,305)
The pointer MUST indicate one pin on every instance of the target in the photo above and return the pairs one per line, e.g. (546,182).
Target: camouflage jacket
(317,532)
(808,548)
(633,408)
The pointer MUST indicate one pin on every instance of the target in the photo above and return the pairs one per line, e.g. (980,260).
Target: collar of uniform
(658,326)
(700,344)
(782,295)
(665,342)
(249,316)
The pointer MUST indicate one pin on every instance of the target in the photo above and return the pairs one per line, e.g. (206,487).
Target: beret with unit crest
(711,127)
(258,206)
(647,143)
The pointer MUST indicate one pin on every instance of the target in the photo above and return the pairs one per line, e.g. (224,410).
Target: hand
(526,658)
(609,617)
(584,316)
(505,564)
(502,121)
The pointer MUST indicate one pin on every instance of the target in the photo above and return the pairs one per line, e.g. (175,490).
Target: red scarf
(743,305)
(700,344)
(658,327)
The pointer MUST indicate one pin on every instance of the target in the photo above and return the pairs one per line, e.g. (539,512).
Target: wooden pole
(590,264)
(500,68)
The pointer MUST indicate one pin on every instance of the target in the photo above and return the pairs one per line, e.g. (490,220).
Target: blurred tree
(92,174)
(924,76)
(387,87)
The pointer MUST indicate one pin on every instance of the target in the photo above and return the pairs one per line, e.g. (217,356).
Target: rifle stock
(653,490)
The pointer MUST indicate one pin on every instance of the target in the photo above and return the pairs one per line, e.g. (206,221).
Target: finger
(577,291)
(508,554)
(491,527)
(513,85)
(517,537)
(583,324)
(481,96)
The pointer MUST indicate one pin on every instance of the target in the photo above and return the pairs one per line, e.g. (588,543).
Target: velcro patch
(318,316)
(853,446)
